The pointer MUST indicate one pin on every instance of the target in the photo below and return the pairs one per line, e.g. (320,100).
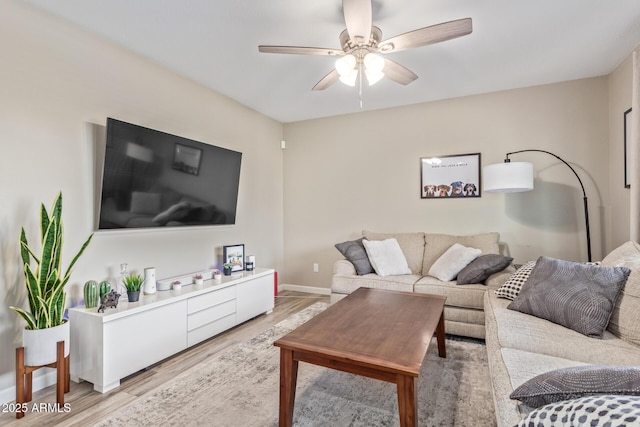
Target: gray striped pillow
(571,294)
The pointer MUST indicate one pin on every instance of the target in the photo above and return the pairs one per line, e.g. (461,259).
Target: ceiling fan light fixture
(346,65)
(373,62)
(350,78)
(373,77)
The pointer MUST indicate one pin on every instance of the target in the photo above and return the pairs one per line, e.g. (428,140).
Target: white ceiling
(515,43)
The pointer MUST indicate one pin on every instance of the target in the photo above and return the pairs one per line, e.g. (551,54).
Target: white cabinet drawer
(211,314)
(210,329)
(210,299)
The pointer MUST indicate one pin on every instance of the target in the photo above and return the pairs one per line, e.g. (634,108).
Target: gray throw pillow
(482,267)
(578,381)
(575,295)
(607,410)
(354,252)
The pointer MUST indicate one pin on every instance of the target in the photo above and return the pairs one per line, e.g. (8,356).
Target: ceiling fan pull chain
(360,83)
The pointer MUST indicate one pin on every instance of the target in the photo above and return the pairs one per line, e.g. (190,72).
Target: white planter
(41,345)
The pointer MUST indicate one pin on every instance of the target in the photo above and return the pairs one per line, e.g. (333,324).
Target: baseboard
(306,289)
(39,382)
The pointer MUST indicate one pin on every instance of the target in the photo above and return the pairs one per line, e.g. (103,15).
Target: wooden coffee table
(374,333)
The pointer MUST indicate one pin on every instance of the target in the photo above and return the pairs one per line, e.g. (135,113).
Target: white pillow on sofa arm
(386,257)
(450,263)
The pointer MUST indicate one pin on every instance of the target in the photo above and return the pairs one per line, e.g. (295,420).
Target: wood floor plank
(88,406)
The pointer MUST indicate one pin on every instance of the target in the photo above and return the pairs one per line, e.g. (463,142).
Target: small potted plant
(133,284)
(226,268)
(176,285)
(198,279)
(216,274)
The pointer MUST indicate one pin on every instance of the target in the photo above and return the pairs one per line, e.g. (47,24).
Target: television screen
(155,179)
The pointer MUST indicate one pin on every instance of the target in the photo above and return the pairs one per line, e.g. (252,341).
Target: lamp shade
(508,177)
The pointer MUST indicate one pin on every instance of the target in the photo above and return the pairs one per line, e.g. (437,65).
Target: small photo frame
(234,255)
(627,147)
(187,159)
(452,176)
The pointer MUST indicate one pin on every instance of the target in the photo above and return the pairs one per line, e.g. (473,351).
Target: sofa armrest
(497,279)
(344,267)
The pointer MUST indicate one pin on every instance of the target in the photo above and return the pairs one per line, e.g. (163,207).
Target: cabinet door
(254,297)
(134,342)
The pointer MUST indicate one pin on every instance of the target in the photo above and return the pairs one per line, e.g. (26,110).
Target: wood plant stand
(24,376)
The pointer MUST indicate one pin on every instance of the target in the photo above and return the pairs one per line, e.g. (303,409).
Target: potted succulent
(46,289)
(226,268)
(133,284)
(176,285)
(216,275)
(198,279)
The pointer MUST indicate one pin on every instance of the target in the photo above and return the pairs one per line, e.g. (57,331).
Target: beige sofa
(464,307)
(521,346)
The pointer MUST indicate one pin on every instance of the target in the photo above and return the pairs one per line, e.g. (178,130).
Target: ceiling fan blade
(299,50)
(428,35)
(359,18)
(327,80)
(398,73)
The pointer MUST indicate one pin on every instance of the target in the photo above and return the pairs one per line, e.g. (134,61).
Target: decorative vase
(133,296)
(105,288)
(40,345)
(149,286)
(91,294)
(226,271)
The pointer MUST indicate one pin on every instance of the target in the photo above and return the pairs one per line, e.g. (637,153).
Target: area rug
(240,388)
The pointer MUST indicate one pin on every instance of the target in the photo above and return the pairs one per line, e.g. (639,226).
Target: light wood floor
(88,406)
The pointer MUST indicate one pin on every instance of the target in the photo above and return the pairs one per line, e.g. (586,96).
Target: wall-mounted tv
(155,179)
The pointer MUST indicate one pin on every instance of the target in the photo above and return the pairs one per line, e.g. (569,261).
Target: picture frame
(234,255)
(627,147)
(187,159)
(450,176)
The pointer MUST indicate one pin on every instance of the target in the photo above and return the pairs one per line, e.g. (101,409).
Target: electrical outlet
(315,267)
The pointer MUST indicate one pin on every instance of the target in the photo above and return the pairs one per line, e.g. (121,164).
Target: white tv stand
(106,347)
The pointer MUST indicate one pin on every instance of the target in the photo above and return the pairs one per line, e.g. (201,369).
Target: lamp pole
(584,193)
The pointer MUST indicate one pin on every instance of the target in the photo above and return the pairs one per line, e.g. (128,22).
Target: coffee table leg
(288,379)
(442,351)
(407,406)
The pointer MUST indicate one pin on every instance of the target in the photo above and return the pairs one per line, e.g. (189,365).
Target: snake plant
(46,283)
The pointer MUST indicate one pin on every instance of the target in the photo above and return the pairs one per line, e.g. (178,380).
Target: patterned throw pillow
(511,288)
(577,296)
(595,411)
(355,253)
(578,381)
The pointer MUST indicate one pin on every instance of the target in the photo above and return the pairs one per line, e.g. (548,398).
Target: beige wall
(620,82)
(361,171)
(55,80)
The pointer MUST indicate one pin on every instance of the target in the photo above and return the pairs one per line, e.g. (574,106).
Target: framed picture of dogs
(455,175)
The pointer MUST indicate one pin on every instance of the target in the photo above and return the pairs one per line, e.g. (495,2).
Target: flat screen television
(155,179)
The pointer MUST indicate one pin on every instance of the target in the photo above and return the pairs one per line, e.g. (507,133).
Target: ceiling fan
(361,43)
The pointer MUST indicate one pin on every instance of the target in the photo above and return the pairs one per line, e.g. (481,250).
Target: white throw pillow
(457,257)
(386,257)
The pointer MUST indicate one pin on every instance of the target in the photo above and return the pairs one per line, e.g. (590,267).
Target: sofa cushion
(578,381)
(452,261)
(386,257)
(625,319)
(528,333)
(511,288)
(412,245)
(482,267)
(437,244)
(355,253)
(575,295)
(607,410)
(470,296)
(348,284)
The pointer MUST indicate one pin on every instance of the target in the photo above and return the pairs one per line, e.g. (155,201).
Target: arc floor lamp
(512,177)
